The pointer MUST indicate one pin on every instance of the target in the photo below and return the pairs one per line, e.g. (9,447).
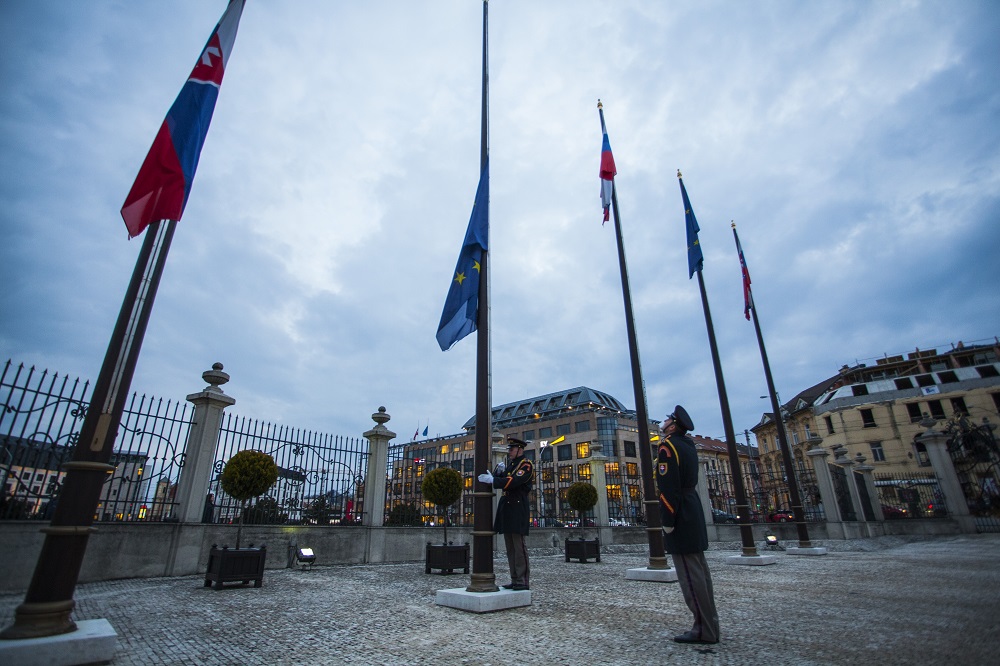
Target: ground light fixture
(771,540)
(305,556)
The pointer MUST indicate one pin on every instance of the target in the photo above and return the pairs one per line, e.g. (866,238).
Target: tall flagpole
(154,204)
(742,506)
(786,454)
(483,579)
(654,533)
(49,602)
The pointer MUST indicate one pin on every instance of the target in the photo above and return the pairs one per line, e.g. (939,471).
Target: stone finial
(380,417)
(215,378)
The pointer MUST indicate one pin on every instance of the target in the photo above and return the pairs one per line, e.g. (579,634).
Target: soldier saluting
(513,511)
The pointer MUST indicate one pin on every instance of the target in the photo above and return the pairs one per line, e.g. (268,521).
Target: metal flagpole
(786,454)
(49,601)
(742,507)
(657,554)
(483,579)
(695,265)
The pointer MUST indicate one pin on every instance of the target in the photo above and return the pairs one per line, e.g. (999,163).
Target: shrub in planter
(442,487)
(248,474)
(582,496)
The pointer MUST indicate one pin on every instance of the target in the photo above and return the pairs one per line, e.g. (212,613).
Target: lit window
(583,450)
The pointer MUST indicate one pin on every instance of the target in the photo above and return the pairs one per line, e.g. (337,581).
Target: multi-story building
(874,411)
(566,432)
(35,478)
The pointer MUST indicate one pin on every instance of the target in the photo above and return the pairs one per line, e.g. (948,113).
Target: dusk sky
(855,144)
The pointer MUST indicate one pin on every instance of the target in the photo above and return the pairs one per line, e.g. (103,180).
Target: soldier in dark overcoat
(515,478)
(684,533)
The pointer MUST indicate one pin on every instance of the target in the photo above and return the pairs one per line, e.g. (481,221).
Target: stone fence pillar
(599,479)
(824,481)
(199,453)
(868,478)
(706,501)
(936,444)
(840,458)
(378,454)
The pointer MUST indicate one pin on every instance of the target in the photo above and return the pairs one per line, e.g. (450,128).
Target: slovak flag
(747,294)
(161,189)
(608,170)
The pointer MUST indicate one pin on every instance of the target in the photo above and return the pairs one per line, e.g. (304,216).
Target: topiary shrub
(248,474)
(582,496)
(442,487)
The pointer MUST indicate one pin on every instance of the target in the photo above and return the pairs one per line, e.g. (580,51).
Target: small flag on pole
(696,260)
(161,189)
(608,171)
(461,306)
(425,429)
(416,433)
(747,295)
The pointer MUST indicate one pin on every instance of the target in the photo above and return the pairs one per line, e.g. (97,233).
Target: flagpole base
(35,620)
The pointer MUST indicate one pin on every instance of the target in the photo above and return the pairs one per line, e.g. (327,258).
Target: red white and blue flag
(608,171)
(161,189)
(747,295)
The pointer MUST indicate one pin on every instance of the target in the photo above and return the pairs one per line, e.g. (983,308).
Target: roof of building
(551,404)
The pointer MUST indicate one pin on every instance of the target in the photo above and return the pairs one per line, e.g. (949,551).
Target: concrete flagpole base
(92,642)
(752,560)
(793,550)
(652,575)
(482,602)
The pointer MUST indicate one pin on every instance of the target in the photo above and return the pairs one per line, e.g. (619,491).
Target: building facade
(567,433)
(876,411)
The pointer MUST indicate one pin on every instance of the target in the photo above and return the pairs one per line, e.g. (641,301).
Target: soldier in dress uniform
(513,511)
(684,533)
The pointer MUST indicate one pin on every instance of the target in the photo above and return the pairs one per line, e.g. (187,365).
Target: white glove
(486,477)
(668,530)
(501,467)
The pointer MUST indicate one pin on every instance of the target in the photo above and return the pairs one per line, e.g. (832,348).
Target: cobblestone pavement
(886,601)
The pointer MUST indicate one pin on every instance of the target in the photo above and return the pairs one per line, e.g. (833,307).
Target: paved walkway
(890,601)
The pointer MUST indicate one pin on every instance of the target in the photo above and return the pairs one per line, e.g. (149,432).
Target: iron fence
(40,422)
(321,477)
(907,496)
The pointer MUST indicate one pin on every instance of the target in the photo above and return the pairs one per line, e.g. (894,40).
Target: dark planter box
(447,558)
(581,549)
(229,565)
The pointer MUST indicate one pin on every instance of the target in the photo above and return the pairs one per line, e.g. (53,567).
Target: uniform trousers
(517,558)
(696,585)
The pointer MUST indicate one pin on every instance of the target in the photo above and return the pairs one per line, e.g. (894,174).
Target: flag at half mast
(461,306)
(747,294)
(161,189)
(608,171)
(696,260)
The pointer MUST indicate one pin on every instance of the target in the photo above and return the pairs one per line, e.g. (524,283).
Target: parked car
(936,509)
(781,516)
(720,516)
(893,513)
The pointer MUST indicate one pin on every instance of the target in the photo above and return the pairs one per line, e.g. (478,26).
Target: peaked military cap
(682,419)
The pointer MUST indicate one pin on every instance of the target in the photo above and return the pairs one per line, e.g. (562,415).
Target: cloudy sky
(855,144)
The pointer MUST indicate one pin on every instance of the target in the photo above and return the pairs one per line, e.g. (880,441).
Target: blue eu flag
(461,307)
(696,261)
